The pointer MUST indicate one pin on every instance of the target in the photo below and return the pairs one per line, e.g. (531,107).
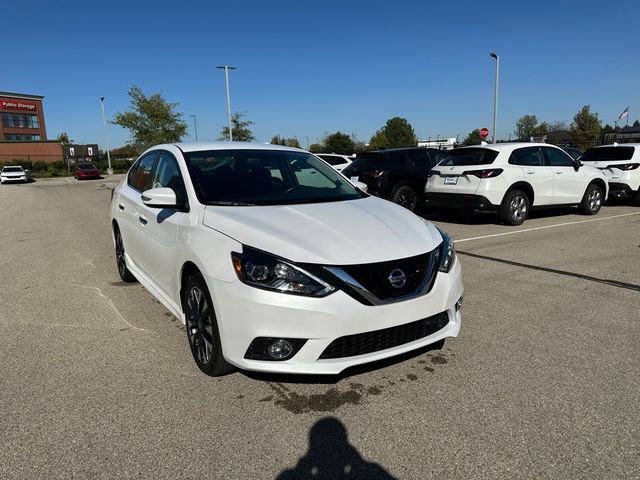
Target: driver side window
(167,174)
(557,158)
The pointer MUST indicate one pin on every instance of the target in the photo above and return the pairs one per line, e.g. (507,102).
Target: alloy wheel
(518,207)
(407,199)
(594,199)
(122,266)
(199,325)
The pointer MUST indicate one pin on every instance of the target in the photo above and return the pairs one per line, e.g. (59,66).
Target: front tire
(202,328)
(123,271)
(406,197)
(515,208)
(592,200)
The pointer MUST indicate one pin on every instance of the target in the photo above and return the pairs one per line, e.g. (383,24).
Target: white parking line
(545,227)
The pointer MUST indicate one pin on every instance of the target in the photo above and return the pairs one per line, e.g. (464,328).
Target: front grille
(374,277)
(363,343)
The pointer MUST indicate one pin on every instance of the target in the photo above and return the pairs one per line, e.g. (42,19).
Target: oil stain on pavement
(329,401)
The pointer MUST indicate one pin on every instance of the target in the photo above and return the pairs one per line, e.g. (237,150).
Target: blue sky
(310,68)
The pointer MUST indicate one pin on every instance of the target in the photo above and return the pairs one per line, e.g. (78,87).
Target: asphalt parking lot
(97,379)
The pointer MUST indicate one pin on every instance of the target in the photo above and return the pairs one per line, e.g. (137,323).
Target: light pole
(495,95)
(226,78)
(195,126)
(106,138)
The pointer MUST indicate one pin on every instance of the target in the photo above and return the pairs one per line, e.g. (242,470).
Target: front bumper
(463,201)
(244,313)
(21,178)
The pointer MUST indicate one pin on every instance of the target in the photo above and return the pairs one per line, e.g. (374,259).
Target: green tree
(379,141)
(278,140)
(525,126)
(397,132)
(473,138)
(586,128)
(241,131)
(151,119)
(63,138)
(127,151)
(316,148)
(339,142)
(636,123)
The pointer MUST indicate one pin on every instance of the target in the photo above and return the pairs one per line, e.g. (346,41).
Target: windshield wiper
(224,203)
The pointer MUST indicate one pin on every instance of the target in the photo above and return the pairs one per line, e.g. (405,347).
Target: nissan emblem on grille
(397,278)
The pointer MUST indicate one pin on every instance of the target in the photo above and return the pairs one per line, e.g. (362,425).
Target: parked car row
(510,179)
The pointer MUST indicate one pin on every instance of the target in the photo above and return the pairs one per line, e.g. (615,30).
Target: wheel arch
(525,187)
(599,182)
(188,269)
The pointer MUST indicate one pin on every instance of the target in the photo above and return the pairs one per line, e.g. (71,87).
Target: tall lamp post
(495,95)
(106,137)
(226,79)
(195,126)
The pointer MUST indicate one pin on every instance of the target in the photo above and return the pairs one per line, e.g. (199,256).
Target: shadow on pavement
(331,456)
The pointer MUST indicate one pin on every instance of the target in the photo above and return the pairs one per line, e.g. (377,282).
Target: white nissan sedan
(277,263)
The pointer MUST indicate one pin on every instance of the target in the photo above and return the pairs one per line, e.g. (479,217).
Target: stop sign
(484,132)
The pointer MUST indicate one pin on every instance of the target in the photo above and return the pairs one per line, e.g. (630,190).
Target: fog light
(459,305)
(280,349)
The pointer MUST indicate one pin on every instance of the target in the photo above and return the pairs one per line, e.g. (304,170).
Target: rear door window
(419,159)
(526,157)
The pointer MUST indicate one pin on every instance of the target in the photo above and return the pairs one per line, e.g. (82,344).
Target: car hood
(12,174)
(359,231)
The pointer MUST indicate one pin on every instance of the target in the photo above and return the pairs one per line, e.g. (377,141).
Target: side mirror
(577,164)
(160,198)
(360,185)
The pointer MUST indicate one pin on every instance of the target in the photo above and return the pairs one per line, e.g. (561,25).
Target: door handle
(558,173)
(121,206)
(142,220)
(529,172)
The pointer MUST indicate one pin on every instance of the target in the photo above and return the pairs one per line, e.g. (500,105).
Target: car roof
(205,146)
(13,166)
(618,145)
(508,147)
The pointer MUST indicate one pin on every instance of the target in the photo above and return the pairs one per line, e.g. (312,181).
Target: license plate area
(450,180)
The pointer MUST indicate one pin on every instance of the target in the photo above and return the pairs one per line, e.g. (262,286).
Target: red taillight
(487,173)
(626,166)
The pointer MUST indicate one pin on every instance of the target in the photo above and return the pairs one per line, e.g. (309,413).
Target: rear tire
(202,328)
(592,200)
(406,197)
(123,271)
(515,207)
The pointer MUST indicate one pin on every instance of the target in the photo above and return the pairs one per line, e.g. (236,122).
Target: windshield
(85,166)
(265,177)
(12,169)
(607,154)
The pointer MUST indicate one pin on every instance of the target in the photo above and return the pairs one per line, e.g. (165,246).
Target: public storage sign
(12,104)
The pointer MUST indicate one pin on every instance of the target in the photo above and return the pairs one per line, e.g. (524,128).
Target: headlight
(261,270)
(447,252)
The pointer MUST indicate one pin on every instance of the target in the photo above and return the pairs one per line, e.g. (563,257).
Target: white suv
(275,262)
(338,162)
(620,164)
(512,178)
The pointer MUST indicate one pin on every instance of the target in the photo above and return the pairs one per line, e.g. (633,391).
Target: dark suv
(397,174)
